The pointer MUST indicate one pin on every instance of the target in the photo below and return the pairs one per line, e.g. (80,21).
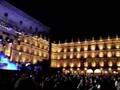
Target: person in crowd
(25,84)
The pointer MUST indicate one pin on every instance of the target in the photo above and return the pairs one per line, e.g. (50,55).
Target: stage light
(6,64)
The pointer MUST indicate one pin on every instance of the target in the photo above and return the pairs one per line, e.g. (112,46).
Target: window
(6,14)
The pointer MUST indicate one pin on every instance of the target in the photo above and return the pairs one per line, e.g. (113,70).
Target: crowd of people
(58,81)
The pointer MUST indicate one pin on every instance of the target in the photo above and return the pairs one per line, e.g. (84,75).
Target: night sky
(75,20)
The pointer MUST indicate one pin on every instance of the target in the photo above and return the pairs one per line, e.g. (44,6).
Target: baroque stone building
(18,38)
(93,55)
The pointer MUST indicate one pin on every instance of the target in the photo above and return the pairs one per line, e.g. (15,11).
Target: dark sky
(69,20)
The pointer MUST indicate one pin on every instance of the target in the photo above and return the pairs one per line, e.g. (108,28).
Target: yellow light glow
(71,64)
(44,55)
(118,63)
(23,58)
(71,49)
(109,46)
(85,48)
(78,65)
(65,50)
(97,71)
(85,69)
(64,65)
(101,54)
(89,71)
(92,47)
(101,47)
(34,61)
(35,52)
(117,38)
(101,64)
(59,49)
(7,52)
(58,57)
(71,69)
(24,49)
(71,56)
(64,56)
(85,55)
(110,64)
(118,69)
(20,53)
(36,44)
(93,64)
(1,47)
(109,69)
(25,40)
(63,69)
(78,49)
(58,65)
(93,55)
(17,59)
(86,64)
(117,54)
(78,69)
(40,54)
(101,69)
(117,46)
(53,57)
(53,63)
(109,54)
(78,55)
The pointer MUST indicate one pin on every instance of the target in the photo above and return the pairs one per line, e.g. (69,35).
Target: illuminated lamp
(101,64)
(89,71)
(85,55)
(71,64)
(109,69)
(63,69)
(78,55)
(58,65)
(92,47)
(78,69)
(65,50)
(97,71)
(118,69)
(101,54)
(71,56)
(71,69)
(93,64)
(78,65)
(64,65)
(93,55)
(71,49)
(86,64)
(85,48)
(117,46)
(78,49)
(101,47)
(109,46)
(109,54)
(64,56)
(117,54)
(118,63)
(110,64)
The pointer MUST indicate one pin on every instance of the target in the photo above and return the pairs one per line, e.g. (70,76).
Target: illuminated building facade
(30,49)
(18,35)
(95,55)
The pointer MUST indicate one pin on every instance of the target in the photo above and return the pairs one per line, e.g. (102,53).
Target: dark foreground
(12,80)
